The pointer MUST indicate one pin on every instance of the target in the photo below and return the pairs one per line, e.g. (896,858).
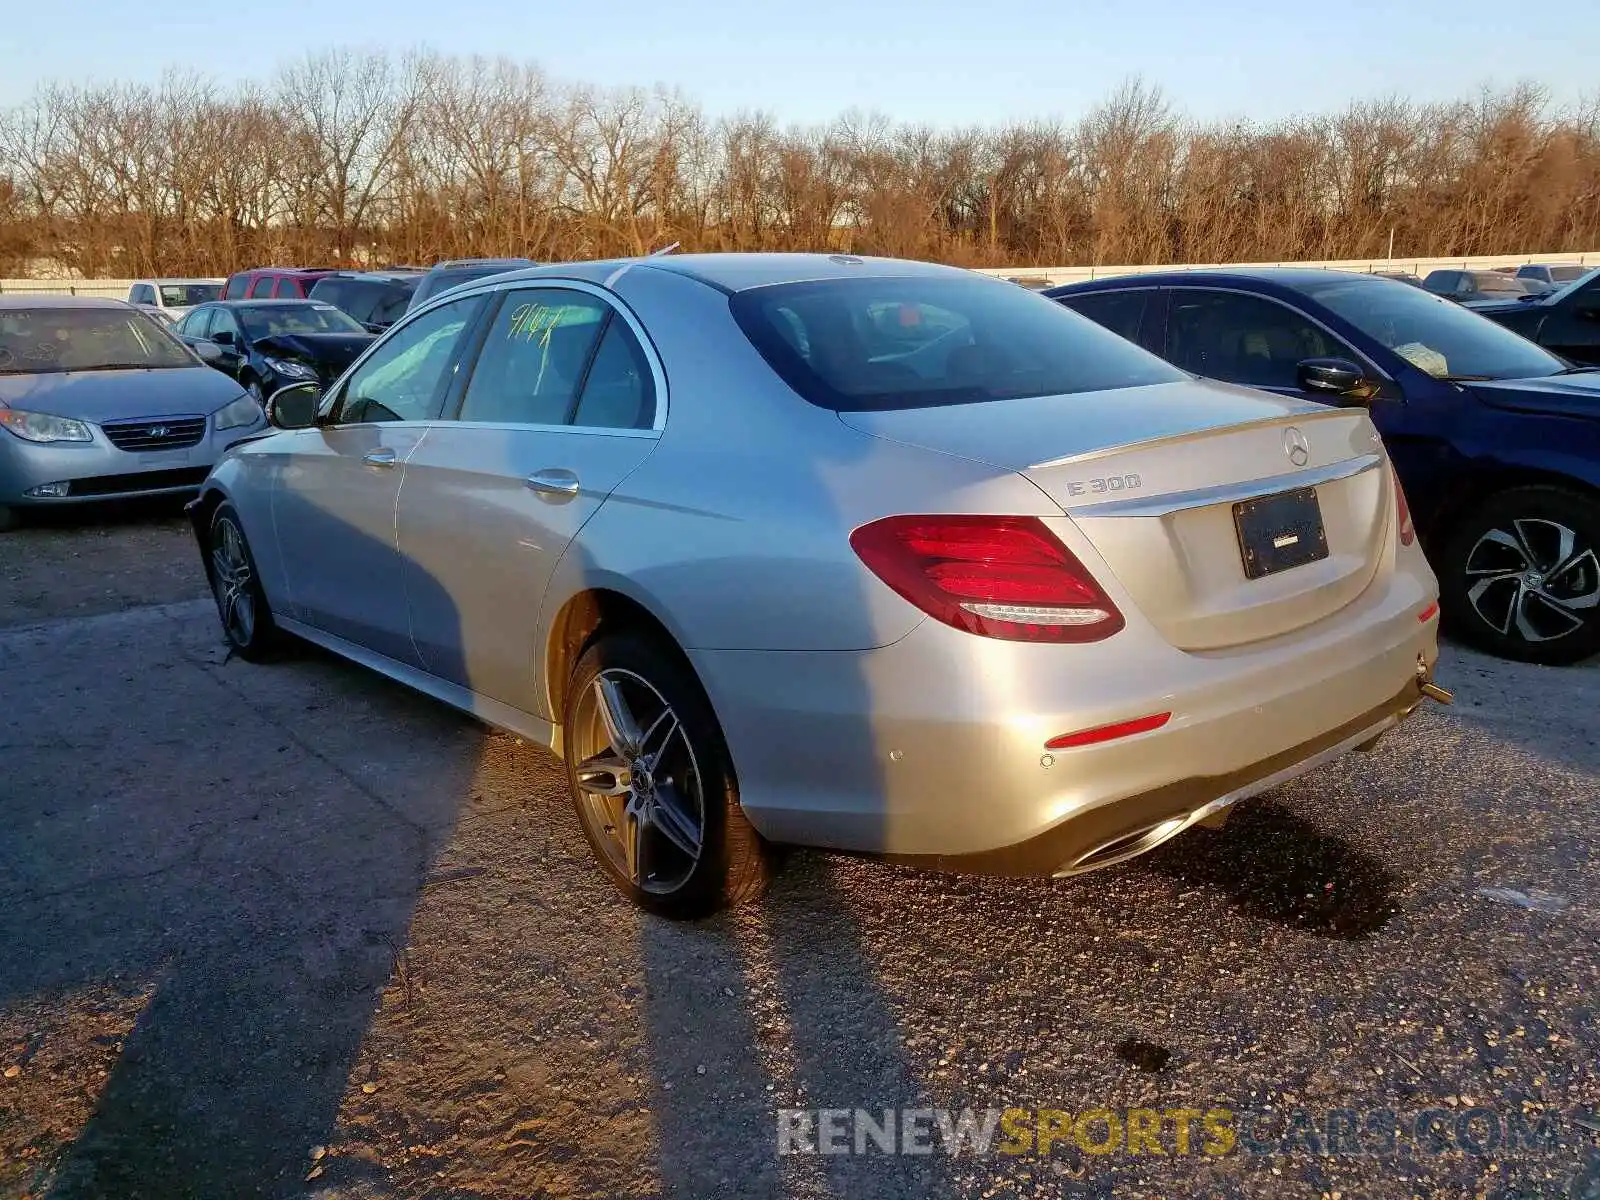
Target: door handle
(554,482)
(379,458)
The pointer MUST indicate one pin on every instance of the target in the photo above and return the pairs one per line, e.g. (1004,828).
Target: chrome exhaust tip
(1428,687)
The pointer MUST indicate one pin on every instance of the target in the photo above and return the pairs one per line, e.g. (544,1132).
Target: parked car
(1463,286)
(874,555)
(273,283)
(1554,275)
(1566,321)
(170,299)
(375,298)
(1400,276)
(1497,442)
(98,402)
(462,270)
(268,344)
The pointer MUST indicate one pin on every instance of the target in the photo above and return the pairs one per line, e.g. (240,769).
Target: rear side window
(234,288)
(262,286)
(288,289)
(1120,312)
(196,323)
(877,343)
(535,358)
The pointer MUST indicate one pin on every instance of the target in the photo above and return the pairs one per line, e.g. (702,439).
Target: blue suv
(1496,440)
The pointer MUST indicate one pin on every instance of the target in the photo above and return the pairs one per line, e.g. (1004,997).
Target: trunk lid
(1150,477)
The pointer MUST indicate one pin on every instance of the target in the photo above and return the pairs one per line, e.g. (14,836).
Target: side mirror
(223,337)
(295,406)
(1331,377)
(208,351)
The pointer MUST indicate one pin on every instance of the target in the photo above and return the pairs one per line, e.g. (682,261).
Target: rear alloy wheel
(1522,576)
(650,776)
(235,585)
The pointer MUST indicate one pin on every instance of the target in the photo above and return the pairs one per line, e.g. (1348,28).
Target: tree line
(346,158)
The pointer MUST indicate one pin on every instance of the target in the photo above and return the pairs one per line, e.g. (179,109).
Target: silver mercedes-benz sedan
(98,401)
(872,555)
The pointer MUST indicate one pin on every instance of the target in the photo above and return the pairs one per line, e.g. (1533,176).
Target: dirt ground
(290,930)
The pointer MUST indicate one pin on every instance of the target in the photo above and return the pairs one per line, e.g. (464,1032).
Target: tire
(1520,576)
(671,784)
(236,587)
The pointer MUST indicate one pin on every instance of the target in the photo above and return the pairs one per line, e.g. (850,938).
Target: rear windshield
(862,345)
(187,295)
(1566,274)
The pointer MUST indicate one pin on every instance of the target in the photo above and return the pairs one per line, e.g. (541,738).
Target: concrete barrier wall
(118,288)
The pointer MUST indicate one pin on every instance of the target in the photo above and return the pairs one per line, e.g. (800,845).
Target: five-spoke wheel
(652,782)
(241,604)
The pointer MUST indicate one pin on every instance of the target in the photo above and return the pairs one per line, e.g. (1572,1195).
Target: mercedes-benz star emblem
(1296,446)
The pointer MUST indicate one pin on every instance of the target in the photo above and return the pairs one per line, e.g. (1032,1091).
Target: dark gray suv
(462,270)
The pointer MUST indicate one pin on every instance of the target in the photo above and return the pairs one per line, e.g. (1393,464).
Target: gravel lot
(291,930)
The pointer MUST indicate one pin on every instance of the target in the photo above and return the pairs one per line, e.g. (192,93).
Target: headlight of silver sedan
(243,411)
(42,427)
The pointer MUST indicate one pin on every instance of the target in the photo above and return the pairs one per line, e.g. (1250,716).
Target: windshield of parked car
(883,343)
(1442,338)
(1572,285)
(187,295)
(280,320)
(1494,281)
(56,339)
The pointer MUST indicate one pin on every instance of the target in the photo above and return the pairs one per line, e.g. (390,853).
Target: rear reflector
(1107,733)
(1429,613)
(1408,533)
(999,577)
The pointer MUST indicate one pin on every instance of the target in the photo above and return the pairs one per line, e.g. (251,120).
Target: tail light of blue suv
(997,577)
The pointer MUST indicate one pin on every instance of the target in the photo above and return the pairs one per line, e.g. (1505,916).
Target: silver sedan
(98,401)
(871,555)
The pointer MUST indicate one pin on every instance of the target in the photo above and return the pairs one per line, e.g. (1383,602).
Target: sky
(939,62)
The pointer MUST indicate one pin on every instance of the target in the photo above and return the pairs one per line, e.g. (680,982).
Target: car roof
(11,301)
(732,273)
(265,302)
(454,264)
(397,275)
(287,271)
(1286,278)
(178,279)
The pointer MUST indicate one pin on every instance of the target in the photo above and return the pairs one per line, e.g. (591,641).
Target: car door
(227,352)
(563,402)
(1572,329)
(334,503)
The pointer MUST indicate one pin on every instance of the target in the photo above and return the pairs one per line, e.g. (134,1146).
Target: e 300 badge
(1111,483)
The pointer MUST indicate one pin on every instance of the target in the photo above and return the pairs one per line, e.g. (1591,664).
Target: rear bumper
(933,749)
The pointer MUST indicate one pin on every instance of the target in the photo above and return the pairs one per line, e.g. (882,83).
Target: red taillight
(1001,577)
(1408,533)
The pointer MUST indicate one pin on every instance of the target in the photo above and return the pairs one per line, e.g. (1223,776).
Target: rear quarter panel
(735,533)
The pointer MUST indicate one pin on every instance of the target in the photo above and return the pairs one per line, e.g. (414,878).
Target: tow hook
(1428,687)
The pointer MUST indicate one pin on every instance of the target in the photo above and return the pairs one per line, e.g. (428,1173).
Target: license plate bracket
(1280,532)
